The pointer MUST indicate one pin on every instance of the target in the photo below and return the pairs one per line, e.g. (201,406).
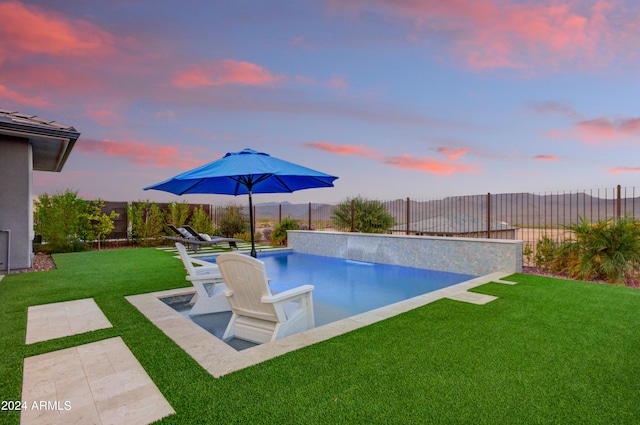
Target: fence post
(488,215)
(353,215)
(618,201)
(408,213)
(309,228)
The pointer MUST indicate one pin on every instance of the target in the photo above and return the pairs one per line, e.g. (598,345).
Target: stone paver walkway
(49,321)
(98,383)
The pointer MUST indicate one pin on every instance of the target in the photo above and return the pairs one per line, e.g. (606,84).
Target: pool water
(344,288)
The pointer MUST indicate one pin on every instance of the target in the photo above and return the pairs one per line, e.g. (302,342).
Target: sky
(398,98)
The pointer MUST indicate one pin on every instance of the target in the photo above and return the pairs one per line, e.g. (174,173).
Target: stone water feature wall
(473,256)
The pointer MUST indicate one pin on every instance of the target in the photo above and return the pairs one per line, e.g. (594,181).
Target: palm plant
(369,216)
(608,250)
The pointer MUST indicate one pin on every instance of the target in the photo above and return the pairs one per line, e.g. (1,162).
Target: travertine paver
(220,359)
(49,321)
(98,383)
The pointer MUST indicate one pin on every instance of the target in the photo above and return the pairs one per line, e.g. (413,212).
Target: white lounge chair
(258,315)
(208,283)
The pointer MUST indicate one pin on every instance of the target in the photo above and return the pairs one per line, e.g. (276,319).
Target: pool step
(472,297)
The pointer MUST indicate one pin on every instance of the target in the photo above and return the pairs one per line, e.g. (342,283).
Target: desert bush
(279,234)
(544,256)
(608,250)
(232,221)
(369,216)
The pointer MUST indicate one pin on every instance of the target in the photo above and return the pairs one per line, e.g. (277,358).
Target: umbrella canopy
(246,172)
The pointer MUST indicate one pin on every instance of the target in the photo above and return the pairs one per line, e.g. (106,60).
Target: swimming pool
(344,288)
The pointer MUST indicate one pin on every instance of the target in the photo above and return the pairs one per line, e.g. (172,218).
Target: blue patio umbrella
(246,172)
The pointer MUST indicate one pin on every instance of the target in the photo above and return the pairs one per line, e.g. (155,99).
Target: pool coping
(219,359)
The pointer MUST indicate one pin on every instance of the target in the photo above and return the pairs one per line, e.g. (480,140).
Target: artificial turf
(546,351)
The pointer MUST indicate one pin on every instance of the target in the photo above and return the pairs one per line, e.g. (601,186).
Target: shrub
(246,236)
(527,253)
(232,221)
(608,250)
(66,222)
(62,220)
(544,256)
(178,213)
(368,216)
(279,234)
(146,222)
(201,222)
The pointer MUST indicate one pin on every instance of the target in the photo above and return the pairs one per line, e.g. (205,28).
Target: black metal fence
(522,216)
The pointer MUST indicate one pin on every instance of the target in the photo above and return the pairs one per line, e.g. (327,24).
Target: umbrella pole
(251,226)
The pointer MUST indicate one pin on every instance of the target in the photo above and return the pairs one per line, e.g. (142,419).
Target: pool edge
(219,359)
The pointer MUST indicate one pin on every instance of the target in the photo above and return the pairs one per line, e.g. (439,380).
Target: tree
(201,222)
(178,213)
(232,221)
(62,220)
(369,216)
(100,223)
(147,222)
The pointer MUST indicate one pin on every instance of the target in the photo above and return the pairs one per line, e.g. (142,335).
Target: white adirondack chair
(205,301)
(258,315)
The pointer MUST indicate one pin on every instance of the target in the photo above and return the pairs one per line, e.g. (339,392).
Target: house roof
(52,142)
(452,224)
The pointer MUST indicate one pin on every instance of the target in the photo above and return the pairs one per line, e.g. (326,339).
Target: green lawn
(547,351)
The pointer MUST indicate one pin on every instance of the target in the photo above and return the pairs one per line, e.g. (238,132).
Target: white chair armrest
(202,262)
(200,271)
(204,277)
(288,295)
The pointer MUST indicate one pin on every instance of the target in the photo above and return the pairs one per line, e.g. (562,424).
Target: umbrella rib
(283,183)
(191,187)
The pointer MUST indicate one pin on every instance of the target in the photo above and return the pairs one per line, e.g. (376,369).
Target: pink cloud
(429,165)
(523,34)
(602,130)
(360,150)
(545,158)
(404,161)
(297,41)
(29,29)
(221,72)
(453,155)
(338,82)
(141,153)
(104,117)
(46,55)
(618,170)
(13,96)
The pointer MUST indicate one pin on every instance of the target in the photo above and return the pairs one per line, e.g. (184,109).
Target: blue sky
(403,98)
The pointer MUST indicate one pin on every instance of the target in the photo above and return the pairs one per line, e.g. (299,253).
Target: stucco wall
(16,214)
(461,255)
